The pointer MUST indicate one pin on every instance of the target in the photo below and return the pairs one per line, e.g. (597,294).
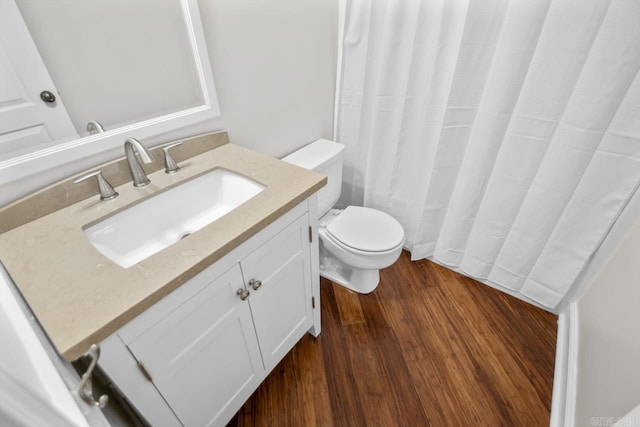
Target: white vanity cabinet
(194,358)
(282,304)
(204,353)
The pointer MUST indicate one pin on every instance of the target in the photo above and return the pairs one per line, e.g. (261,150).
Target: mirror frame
(19,175)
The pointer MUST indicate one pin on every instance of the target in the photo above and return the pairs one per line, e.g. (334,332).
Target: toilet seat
(361,229)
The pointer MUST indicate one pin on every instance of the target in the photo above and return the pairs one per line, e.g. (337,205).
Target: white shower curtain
(503,134)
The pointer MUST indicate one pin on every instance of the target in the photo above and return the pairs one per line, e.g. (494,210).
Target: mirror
(138,68)
(115,62)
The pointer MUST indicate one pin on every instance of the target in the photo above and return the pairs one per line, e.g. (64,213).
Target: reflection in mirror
(133,68)
(116,62)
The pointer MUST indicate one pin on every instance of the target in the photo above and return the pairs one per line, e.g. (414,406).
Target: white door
(281,306)
(33,391)
(27,123)
(205,354)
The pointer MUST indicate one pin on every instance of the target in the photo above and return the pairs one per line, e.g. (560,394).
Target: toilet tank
(325,157)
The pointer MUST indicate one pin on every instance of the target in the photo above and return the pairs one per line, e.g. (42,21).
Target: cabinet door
(281,306)
(204,354)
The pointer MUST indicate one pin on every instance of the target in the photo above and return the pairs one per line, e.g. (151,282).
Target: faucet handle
(106,190)
(170,165)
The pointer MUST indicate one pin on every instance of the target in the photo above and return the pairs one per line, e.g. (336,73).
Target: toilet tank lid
(317,155)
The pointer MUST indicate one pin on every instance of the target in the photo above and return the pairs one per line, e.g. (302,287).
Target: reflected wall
(115,61)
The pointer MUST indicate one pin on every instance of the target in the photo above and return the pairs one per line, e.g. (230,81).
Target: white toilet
(356,242)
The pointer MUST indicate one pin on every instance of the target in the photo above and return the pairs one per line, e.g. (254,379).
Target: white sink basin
(156,223)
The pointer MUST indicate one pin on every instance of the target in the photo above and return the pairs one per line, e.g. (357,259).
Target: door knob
(47,96)
(255,284)
(244,294)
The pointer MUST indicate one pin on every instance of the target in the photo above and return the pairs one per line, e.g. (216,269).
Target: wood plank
(428,347)
(348,303)
(345,403)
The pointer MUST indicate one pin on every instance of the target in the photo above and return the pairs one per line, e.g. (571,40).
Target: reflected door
(27,122)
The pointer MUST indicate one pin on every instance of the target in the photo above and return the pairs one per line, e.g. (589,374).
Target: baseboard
(563,404)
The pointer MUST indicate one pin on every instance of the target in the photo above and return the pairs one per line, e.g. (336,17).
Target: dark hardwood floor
(428,348)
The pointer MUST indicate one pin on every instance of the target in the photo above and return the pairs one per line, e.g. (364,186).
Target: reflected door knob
(47,96)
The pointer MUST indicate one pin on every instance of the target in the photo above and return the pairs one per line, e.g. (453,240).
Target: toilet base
(357,280)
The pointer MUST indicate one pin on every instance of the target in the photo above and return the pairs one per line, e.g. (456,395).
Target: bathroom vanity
(205,348)
(189,332)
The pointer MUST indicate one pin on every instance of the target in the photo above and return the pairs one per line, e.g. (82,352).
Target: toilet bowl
(355,242)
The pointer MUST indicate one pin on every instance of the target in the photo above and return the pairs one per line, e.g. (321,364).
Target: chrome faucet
(94,127)
(131,147)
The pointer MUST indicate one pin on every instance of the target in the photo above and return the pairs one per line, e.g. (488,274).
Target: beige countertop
(81,297)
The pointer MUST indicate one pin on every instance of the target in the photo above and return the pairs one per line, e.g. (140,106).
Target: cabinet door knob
(244,294)
(255,284)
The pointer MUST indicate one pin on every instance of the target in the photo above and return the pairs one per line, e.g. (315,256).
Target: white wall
(608,362)
(274,64)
